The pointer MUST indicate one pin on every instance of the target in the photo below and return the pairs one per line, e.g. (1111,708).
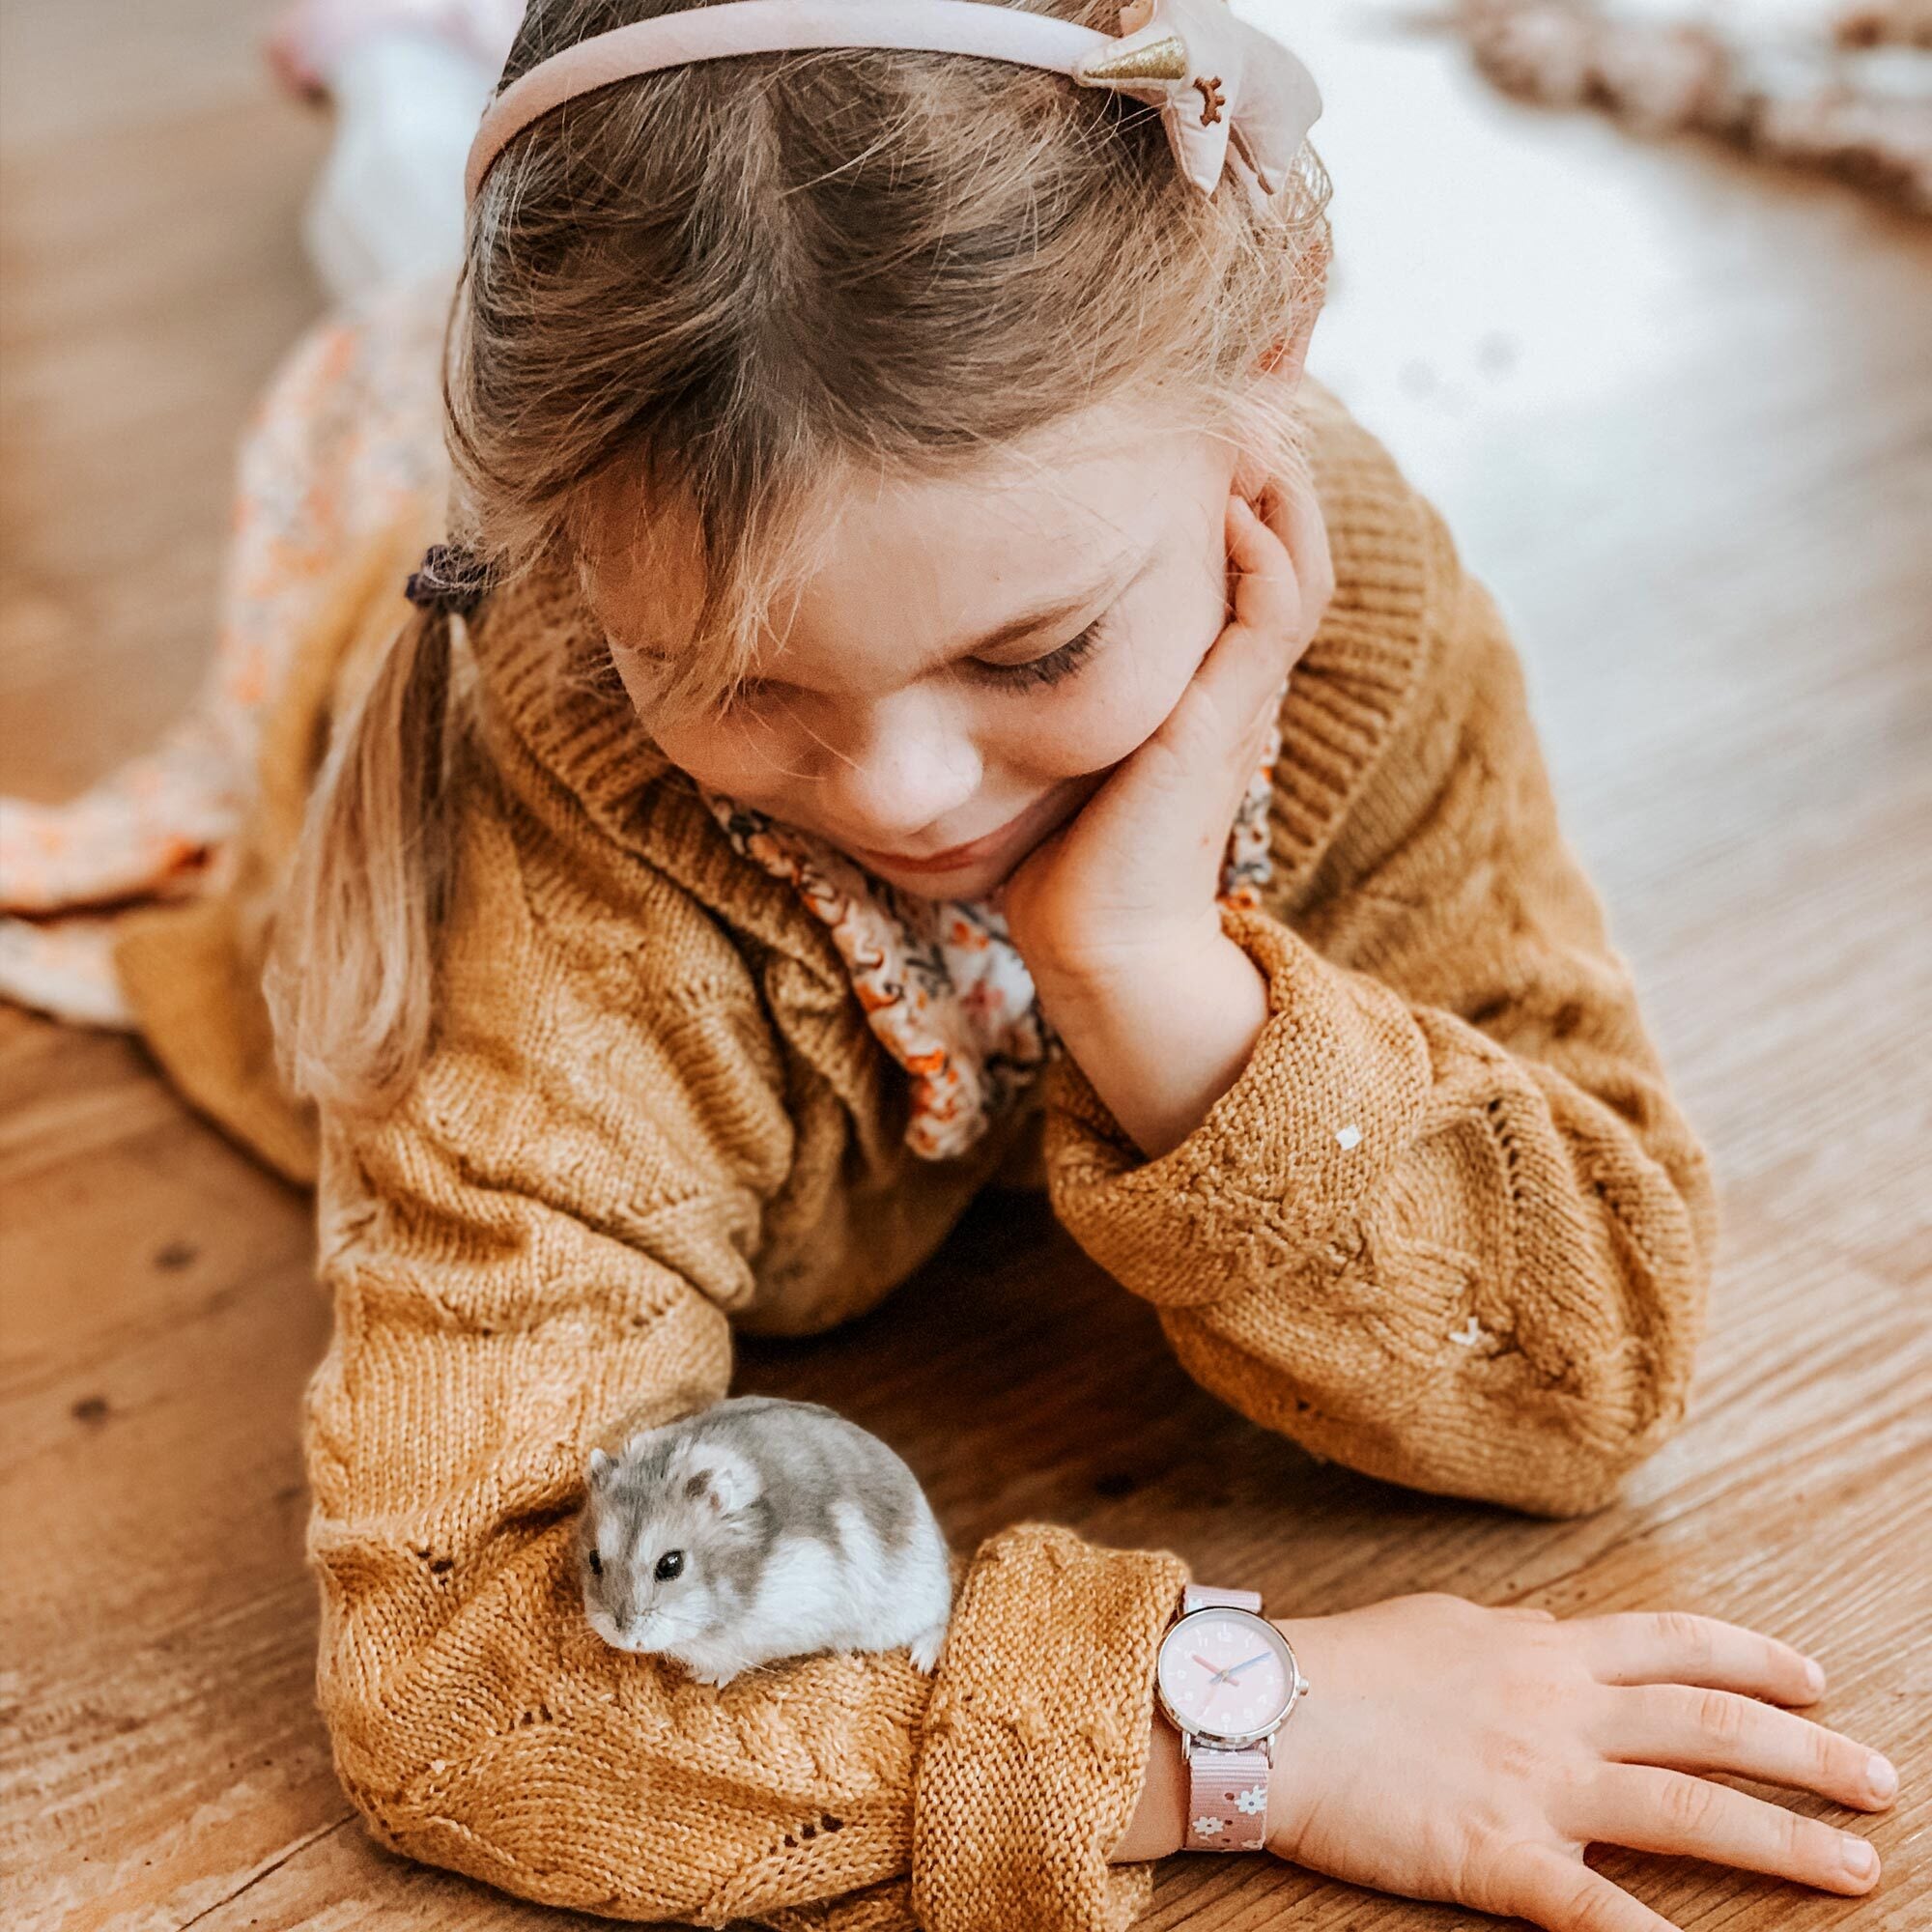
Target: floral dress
(346,440)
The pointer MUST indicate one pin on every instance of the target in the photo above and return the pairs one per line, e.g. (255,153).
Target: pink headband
(1211,76)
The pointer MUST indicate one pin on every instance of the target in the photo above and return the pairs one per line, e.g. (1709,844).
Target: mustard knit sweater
(654,1110)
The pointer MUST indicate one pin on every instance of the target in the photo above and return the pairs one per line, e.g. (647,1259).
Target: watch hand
(1216,1676)
(1254,1659)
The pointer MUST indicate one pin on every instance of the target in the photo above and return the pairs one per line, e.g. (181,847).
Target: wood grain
(1679,414)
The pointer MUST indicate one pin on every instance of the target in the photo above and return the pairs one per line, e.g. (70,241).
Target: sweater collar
(1348,697)
(553,714)
(549,690)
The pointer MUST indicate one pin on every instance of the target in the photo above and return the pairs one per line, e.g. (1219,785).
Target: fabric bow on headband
(1215,78)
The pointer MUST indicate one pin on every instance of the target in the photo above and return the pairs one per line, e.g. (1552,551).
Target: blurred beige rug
(1840,85)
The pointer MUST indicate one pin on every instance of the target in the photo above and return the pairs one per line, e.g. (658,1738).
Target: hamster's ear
(601,1466)
(725,1484)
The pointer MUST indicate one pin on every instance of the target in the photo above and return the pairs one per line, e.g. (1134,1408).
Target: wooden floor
(1680,415)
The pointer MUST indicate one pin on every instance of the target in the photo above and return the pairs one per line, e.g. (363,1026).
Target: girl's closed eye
(1039,673)
(1034,674)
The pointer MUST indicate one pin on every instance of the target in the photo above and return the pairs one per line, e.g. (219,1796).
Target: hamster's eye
(596,1564)
(671,1564)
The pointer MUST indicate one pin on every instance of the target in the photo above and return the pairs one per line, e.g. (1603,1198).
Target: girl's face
(969,658)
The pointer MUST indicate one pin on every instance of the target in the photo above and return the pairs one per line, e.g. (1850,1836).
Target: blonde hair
(716,286)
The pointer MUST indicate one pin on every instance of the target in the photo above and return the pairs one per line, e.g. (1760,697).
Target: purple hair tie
(450,578)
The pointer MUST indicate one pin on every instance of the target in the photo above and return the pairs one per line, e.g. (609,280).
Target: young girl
(839,757)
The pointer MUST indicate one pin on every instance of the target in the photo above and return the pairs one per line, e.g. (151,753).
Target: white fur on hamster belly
(864,1601)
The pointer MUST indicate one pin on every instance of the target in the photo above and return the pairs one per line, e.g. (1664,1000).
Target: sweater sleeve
(547,1236)
(1448,1226)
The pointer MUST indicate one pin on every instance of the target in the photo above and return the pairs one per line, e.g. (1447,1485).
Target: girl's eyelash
(1041,673)
(1038,674)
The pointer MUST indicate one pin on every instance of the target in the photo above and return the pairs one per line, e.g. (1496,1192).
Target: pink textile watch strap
(1227,1790)
(1199,1597)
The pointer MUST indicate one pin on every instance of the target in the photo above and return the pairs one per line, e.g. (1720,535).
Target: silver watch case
(1264,1735)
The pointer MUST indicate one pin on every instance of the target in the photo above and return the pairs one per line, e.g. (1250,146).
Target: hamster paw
(925,1648)
(707,1669)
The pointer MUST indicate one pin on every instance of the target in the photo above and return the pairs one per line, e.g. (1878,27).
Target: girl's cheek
(1063,736)
(700,752)
(722,755)
(1109,712)
(728,756)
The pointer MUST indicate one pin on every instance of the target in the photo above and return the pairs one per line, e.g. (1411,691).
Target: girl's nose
(897,780)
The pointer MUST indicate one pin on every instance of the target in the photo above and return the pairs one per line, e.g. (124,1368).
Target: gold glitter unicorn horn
(1212,77)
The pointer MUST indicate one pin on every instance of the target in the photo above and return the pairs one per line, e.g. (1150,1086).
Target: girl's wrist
(1099,973)
(1159,1824)
(1162,1035)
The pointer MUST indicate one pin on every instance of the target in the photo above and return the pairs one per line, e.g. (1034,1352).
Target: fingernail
(1859,1859)
(1880,1777)
(1814,1677)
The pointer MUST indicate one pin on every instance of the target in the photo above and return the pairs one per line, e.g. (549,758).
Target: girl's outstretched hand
(1130,881)
(1448,1751)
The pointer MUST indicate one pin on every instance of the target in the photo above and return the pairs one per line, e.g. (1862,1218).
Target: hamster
(759,1529)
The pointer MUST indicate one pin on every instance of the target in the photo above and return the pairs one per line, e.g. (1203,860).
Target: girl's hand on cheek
(1453,1753)
(1129,886)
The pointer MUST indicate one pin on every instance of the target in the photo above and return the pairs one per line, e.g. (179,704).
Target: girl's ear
(1287,360)
(1279,372)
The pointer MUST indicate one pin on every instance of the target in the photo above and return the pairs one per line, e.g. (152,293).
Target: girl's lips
(956,857)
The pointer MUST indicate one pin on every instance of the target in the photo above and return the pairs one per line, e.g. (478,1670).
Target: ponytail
(350,979)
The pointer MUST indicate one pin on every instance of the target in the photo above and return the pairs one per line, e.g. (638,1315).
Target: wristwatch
(1227,1681)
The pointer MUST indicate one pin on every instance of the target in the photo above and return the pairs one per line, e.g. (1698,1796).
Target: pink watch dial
(1226,1674)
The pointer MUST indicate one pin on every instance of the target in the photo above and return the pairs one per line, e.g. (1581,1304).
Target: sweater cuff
(1284,1158)
(1035,1738)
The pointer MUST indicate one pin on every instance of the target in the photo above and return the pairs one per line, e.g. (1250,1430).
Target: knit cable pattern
(1448,1227)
